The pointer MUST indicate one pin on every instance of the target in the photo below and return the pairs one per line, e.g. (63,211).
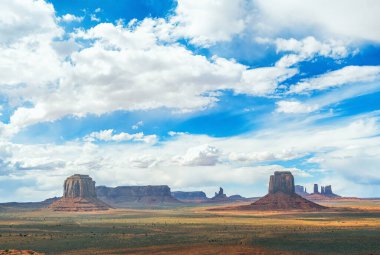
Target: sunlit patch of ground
(19,252)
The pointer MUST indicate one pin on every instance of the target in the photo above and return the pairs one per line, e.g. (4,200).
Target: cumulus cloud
(208,22)
(139,66)
(70,18)
(353,19)
(204,155)
(205,22)
(181,162)
(135,71)
(108,135)
(21,20)
(295,107)
(307,49)
(143,161)
(137,125)
(142,66)
(264,156)
(26,54)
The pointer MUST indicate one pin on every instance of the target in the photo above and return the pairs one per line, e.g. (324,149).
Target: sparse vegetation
(192,231)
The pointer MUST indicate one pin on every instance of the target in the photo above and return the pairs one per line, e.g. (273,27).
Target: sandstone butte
(79,195)
(282,196)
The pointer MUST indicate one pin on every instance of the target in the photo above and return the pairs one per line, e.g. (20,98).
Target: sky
(194,94)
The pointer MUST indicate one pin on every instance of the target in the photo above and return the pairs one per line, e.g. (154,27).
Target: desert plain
(350,226)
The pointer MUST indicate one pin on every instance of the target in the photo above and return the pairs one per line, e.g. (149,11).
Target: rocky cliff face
(79,195)
(125,196)
(281,181)
(190,195)
(79,186)
(325,194)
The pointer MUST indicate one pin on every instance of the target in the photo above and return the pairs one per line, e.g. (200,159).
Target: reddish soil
(282,201)
(278,201)
(19,252)
(79,205)
(178,250)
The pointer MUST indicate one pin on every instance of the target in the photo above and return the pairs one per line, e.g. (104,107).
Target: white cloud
(135,71)
(26,55)
(108,135)
(263,81)
(143,161)
(295,107)
(237,161)
(263,156)
(204,155)
(208,22)
(137,125)
(70,18)
(205,22)
(307,49)
(346,75)
(94,18)
(174,133)
(351,19)
(25,19)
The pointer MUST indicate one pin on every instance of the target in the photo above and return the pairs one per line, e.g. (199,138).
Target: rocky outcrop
(79,195)
(282,196)
(127,196)
(327,191)
(219,196)
(325,194)
(189,196)
(316,189)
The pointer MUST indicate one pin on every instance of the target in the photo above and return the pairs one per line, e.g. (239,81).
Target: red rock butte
(282,196)
(79,194)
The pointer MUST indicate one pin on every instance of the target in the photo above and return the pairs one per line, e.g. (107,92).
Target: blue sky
(192,94)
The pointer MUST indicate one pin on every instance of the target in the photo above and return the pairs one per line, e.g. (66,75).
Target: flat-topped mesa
(281,181)
(132,196)
(189,195)
(79,186)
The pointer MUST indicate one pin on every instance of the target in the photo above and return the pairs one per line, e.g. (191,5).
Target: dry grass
(195,230)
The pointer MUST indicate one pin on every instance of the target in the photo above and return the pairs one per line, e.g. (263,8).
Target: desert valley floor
(352,227)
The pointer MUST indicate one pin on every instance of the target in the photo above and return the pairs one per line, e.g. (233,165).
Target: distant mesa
(326,193)
(200,197)
(301,190)
(190,196)
(131,196)
(79,195)
(282,196)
